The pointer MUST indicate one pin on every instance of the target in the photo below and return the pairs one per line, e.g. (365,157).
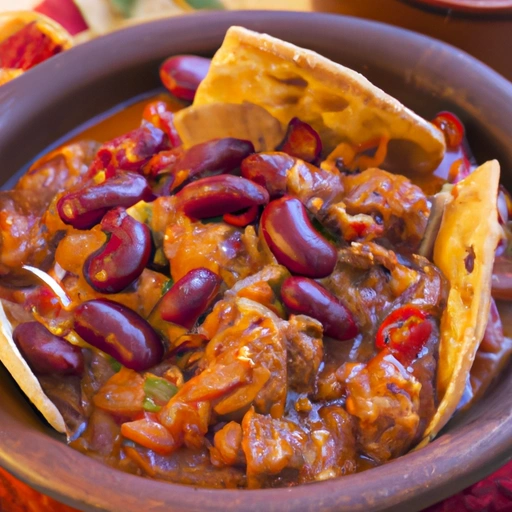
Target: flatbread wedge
(27,381)
(464,251)
(340,104)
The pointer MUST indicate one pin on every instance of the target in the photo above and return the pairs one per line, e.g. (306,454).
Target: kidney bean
(119,332)
(217,195)
(121,260)
(301,141)
(46,353)
(85,207)
(129,152)
(189,298)
(182,74)
(303,296)
(216,156)
(293,240)
(268,170)
(158,114)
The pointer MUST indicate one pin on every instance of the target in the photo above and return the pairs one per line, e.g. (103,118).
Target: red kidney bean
(119,332)
(216,156)
(293,240)
(268,170)
(189,297)
(46,353)
(85,207)
(303,296)
(158,114)
(129,152)
(121,260)
(301,141)
(217,195)
(182,74)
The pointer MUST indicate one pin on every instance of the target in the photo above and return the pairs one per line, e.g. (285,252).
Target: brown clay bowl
(58,95)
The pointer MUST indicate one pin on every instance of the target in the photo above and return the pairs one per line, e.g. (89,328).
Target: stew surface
(232,318)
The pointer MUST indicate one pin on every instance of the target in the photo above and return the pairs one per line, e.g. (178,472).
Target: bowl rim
(494,445)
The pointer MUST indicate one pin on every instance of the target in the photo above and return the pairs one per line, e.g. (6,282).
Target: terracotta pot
(427,75)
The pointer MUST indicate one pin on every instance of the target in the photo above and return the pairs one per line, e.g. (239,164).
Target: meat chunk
(305,352)
(272,446)
(244,365)
(186,466)
(316,188)
(59,170)
(25,237)
(335,444)
(283,452)
(385,399)
(228,251)
(380,204)
(371,281)
(227,446)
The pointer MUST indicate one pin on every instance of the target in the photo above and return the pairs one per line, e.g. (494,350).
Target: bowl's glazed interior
(428,76)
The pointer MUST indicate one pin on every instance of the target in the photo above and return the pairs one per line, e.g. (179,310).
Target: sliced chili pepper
(404,331)
(241,219)
(301,141)
(452,128)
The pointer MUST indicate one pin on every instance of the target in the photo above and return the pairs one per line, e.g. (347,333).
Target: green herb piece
(150,406)
(167,286)
(159,390)
(114,364)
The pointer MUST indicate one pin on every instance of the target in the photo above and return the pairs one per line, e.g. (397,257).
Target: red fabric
(492,494)
(64,12)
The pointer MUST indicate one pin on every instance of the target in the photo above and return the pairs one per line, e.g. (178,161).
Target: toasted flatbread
(340,104)
(27,381)
(197,124)
(464,252)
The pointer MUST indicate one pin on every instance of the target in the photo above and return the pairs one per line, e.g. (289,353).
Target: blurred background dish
(471,6)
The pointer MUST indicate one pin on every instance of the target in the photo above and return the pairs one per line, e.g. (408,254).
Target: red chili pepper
(404,331)
(452,128)
(242,219)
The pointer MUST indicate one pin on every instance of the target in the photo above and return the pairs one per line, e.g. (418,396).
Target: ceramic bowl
(427,75)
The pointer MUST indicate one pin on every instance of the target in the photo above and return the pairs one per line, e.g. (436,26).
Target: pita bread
(27,381)
(464,252)
(340,104)
(244,121)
